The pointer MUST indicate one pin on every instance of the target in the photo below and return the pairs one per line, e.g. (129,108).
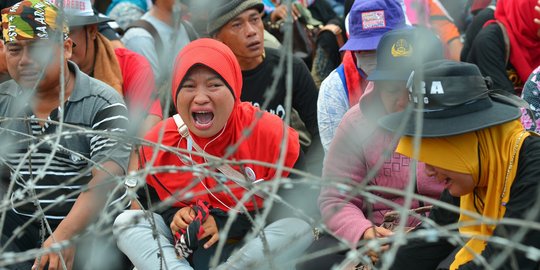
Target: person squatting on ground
(206,90)
(359,145)
(478,148)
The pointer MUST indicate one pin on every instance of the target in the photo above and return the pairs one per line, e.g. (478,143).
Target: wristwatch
(130,181)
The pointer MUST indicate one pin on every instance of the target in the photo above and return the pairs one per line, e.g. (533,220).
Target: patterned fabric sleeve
(331,106)
(531,94)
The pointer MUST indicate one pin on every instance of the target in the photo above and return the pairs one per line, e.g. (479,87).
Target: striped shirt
(51,163)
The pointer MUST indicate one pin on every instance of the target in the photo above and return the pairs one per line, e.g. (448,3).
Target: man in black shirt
(238,24)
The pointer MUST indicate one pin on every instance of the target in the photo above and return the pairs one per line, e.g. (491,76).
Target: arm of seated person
(345,165)
(86,207)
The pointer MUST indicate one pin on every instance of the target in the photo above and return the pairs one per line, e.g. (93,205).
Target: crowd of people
(199,134)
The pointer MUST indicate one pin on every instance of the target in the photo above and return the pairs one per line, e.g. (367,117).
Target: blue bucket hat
(369,20)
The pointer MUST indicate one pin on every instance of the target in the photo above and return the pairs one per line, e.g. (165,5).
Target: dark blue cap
(401,50)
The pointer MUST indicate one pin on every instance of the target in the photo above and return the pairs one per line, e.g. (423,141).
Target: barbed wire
(371,193)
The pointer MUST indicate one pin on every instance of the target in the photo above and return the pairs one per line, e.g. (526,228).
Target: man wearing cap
(360,144)
(474,143)
(60,133)
(127,72)
(368,21)
(238,24)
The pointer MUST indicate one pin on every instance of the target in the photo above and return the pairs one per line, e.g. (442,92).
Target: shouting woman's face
(204,102)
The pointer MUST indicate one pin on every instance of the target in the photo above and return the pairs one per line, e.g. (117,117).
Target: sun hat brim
(87,20)
(362,44)
(497,114)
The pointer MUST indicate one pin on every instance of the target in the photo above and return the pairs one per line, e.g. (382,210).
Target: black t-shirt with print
(258,81)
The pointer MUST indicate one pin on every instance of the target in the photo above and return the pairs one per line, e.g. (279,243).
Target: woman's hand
(182,219)
(210,229)
(376,232)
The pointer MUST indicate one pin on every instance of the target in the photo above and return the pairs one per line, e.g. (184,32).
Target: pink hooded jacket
(357,146)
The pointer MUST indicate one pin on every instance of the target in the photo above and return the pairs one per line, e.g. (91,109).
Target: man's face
(27,59)
(244,35)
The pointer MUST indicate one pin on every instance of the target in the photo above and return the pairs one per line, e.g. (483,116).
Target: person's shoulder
(87,87)
(9,87)
(166,126)
(271,128)
(332,91)
(8,91)
(130,58)
(528,166)
(124,52)
(137,32)
(353,117)
(271,53)
(488,43)
(100,88)
(529,154)
(353,114)
(489,32)
(266,124)
(333,80)
(270,61)
(154,21)
(357,125)
(530,144)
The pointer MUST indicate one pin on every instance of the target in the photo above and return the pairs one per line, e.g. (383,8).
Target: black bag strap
(150,29)
(192,34)
(506,42)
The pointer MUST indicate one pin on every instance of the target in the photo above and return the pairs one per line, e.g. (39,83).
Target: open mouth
(254,45)
(203,119)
